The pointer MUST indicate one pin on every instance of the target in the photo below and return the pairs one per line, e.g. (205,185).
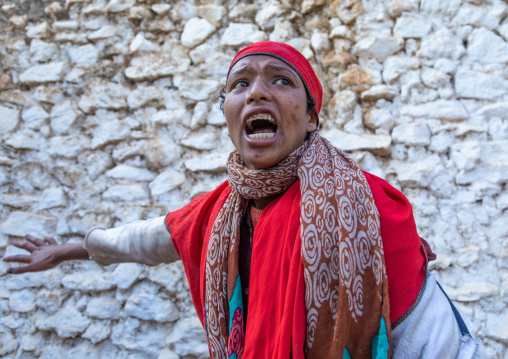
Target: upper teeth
(261,116)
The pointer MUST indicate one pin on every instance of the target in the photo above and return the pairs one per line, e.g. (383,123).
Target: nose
(258,91)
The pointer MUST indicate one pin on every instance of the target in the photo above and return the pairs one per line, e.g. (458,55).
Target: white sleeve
(146,242)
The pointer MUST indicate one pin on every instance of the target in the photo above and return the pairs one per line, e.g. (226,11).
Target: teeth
(258,136)
(261,116)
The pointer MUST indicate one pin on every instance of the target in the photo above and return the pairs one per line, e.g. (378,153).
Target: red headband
(290,56)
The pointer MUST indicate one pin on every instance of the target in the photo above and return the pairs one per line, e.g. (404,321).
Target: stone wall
(108,114)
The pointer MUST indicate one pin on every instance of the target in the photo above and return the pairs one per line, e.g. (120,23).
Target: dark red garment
(290,56)
(276,290)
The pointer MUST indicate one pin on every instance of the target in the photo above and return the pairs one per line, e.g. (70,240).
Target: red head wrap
(290,56)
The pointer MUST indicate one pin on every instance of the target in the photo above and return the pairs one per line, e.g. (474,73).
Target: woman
(300,253)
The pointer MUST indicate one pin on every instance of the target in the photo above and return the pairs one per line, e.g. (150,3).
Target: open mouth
(261,126)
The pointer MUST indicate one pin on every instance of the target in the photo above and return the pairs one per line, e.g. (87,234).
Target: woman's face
(266,110)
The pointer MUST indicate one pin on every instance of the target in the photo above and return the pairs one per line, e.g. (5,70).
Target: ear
(312,121)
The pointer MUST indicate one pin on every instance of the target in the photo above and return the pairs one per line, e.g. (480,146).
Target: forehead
(260,63)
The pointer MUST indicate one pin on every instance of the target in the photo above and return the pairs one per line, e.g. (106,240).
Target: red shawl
(278,329)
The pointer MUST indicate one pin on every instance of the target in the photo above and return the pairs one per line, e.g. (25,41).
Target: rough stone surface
(108,114)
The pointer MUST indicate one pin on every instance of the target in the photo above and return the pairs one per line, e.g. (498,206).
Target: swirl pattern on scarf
(345,280)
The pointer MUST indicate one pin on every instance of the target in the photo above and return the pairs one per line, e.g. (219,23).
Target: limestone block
(417,174)
(285,31)
(412,134)
(8,343)
(166,181)
(356,78)
(216,116)
(205,139)
(67,322)
(109,132)
(319,41)
(39,74)
(502,201)
(130,173)
(103,308)
(479,85)
(471,292)
(119,5)
(50,300)
(434,78)
(196,31)
(237,34)
(440,7)
(147,307)
(22,301)
(91,281)
(72,37)
(155,68)
(67,146)
(380,92)
(494,161)
(211,12)
(412,26)
(379,118)
(441,109)
(97,331)
(503,31)
(37,31)
(496,327)
(188,338)
(161,153)
(84,56)
(495,110)
(48,94)
(32,343)
(167,275)
(442,43)
(396,66)
(42,51)
(377,47)
(20,223)
(66,25)
(103,33)
(144,338)
(52,197)
(196,89)
(199,115)
(160,9)
(18,200)
(126,274)
(63,116)
(487,47)
(268,15)
(215,162)
(379,144)
(303,46)
(128,193)
(107,95)
(18,21)
(141,44)
(34,116)
(25,140)
(167,117)
(143,96)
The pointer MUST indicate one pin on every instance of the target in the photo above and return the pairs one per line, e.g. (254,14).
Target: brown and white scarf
(346,291)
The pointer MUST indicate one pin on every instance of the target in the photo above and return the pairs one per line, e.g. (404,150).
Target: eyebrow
(273,68)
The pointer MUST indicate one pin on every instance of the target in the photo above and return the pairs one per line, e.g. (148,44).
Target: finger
(19,258)
(38,242)
(19,270)
(50,240)
(25,245)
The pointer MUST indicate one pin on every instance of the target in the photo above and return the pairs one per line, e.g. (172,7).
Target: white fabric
(430,331)
(146,242)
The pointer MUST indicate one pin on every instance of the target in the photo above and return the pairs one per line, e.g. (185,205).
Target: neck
(261,203)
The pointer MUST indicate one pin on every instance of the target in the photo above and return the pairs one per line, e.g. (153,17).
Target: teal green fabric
(232,356)
(346,354)
(236,301)
(380,343)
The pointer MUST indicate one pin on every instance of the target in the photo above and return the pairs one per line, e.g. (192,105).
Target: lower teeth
(257,136)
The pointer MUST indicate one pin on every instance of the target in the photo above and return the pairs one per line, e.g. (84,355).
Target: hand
(43,255)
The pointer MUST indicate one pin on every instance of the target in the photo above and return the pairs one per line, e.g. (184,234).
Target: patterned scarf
(346,292)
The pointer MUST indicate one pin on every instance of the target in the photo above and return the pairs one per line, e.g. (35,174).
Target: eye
(240,83)
(283,81)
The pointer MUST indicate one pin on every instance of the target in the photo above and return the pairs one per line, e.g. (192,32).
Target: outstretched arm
(44,254)
(146,242)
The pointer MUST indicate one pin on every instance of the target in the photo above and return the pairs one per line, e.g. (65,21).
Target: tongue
(263,130)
